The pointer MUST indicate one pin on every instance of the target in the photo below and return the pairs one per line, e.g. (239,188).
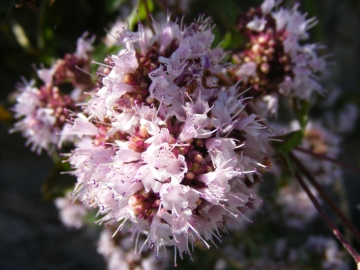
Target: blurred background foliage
(30,38)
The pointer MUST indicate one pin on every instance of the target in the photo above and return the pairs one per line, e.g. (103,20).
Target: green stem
(148,15)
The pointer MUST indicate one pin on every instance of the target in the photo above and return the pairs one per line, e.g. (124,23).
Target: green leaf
(312,9)
(302,112)
(232,40)
(287,143)
(91,218)
(113,5)
(57,183)
(140,12)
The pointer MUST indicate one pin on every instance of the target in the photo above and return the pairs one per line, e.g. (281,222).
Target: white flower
(257,24)
(83,46)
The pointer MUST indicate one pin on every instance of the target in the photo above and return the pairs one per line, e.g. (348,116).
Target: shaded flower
(44,111)
(276,60)
(43,114)
(72,212)
(119,253)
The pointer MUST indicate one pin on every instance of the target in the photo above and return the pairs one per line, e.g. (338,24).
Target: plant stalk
(333,160)
(328,221)
(326,197)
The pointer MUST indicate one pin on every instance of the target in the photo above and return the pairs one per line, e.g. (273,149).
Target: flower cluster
(44,111)
(162,145)
(276,60)
(169,143)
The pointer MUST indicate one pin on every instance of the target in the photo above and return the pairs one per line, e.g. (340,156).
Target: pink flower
(160,148)
(276,59)
(72,212)
(44,112)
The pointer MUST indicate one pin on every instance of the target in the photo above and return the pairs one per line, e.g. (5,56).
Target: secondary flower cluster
(276,60)
(162,146)
(46,110)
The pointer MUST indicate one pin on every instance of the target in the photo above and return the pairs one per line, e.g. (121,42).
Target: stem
(326,197)
(311,153)
(335,230)
(224,79)
(338,184)
(339,189)
(148,15)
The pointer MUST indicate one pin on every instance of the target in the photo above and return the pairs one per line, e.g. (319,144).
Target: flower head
(44,111)
(277,61)
(163,146)
(43,114)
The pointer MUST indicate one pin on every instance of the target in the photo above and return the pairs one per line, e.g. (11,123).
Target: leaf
(57,183)
(302,112)
(288,142)
(114,5)
(313,9)
(5,116)
(140,12)
(91,218)
(232,40)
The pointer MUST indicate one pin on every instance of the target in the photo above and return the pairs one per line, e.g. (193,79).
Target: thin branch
(333,160)
(326,197)
(335,230)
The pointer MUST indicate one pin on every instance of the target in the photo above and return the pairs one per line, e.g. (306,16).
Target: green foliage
(58,182)
(113,5)
(232,40)
(287,143)
(301,109)
(140,12)
(91,218)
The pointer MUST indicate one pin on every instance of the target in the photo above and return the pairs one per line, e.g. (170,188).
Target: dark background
(31,234)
